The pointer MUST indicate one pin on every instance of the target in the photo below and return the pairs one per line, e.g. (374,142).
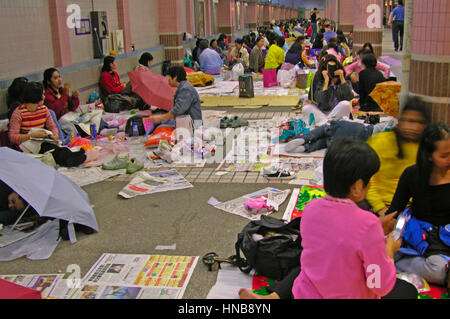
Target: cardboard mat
(257,101)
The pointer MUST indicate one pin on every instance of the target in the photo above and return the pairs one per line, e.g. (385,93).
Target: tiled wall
(81,45)
(144,23)
(26,37)
(431,29)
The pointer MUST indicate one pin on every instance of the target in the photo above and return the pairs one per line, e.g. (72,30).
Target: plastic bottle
(135,129)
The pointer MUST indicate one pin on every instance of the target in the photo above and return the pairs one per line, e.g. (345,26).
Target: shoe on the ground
(280,174)
(117,163)
(134,165)
(236,122)
(224,122)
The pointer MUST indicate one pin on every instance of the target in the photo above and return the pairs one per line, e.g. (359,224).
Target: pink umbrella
(153,88)
(9,290)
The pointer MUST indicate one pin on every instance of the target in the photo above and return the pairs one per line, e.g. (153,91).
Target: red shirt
(58,105)
(110,83)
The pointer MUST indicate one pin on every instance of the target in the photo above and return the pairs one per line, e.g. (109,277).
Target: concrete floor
(138,225)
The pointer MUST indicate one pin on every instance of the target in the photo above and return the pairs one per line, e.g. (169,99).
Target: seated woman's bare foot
(248,294)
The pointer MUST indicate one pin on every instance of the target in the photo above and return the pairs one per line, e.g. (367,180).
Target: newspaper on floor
(229,280)
(145,183)
(123,276)
(87,176)
(43,283)
(236,206)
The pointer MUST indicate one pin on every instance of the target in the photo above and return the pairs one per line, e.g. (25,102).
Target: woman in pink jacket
(345,254)
(356,67)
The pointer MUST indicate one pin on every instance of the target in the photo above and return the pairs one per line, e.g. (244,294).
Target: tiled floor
(208,174)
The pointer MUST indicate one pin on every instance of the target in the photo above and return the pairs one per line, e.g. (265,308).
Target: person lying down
(324,135)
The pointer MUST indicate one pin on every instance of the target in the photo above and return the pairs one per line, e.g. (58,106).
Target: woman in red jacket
(57,96)
(110,80)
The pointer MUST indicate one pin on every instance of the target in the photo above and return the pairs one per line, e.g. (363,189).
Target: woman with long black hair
(109,79)
(427,183)
(57,95)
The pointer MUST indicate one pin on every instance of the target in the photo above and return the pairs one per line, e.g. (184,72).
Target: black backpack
(273,256)
(139,123)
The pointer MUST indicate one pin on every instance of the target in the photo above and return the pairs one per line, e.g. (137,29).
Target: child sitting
(345,253)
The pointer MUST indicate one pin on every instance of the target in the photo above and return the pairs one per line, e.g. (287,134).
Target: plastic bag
(237,71)
(160,133)
(420,283)
(285,78)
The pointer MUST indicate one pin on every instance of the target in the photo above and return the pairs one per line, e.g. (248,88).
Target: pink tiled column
(252,15)
(279,13)
(123,12)
(60,32)
(171,29)
(208,29)
(346,16)
(242,16)
(190,28)
(226,11)
(368,26)
(266,15)
(430,56)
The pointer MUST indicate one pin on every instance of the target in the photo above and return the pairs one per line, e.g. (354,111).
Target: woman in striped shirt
(32,114)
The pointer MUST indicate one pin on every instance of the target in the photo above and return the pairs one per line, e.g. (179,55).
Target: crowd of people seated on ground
(371,172)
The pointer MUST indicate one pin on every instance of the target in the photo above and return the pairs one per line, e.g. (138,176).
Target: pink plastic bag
(269,78)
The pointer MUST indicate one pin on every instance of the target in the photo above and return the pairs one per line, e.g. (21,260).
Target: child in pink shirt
(345,253)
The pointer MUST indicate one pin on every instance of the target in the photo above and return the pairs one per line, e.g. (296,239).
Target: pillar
(123,13)
(60,32)
(346,16)
(266,15)
(207,15)
(242,16)
(171,30)
(252,15)
(368,24)
(430,57)
(226,11)
(190,28)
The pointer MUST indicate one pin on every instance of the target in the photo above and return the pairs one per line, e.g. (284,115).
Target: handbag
(271,246)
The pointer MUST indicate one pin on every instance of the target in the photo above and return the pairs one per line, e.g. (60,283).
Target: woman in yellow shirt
(275,55)
(397,150)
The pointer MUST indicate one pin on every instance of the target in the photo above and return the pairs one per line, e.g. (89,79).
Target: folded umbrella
(50,193)
(153,88)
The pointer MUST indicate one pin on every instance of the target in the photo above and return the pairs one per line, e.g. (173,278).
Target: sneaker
(116,163)
(134,165)
(280,174)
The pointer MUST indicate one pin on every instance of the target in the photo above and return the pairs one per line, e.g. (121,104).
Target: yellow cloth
(274,58)
(305,59)
(384,183)
(199,79)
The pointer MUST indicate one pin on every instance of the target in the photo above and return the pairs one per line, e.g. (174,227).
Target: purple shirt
(342,245)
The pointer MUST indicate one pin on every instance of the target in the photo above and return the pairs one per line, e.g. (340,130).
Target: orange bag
(160,133)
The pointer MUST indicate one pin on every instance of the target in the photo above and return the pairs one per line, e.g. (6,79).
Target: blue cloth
(210,61)
(65,138)
(444,234)
(399,13)
(187,101)
(328,35)
(416,233)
